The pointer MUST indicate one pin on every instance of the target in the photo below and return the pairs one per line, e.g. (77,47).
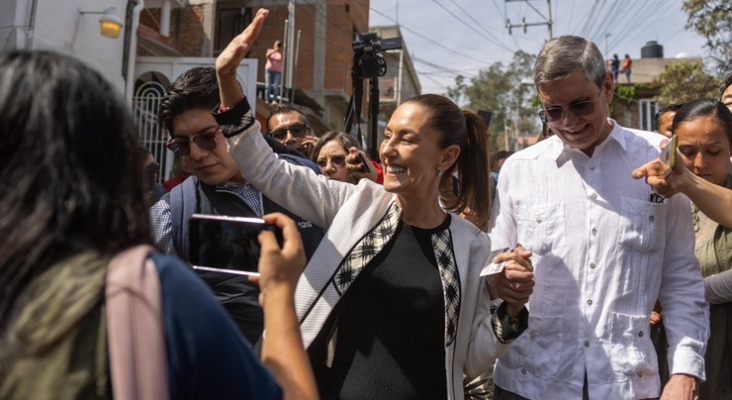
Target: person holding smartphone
(291,127)
(391,304)
(703,128)
(72,196)
(339,157)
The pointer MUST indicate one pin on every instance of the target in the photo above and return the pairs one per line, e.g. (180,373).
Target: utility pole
(548,20)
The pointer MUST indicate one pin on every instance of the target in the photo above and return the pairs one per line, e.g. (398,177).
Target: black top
(390,340)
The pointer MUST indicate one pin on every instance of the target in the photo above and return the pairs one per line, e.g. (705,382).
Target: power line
(478,23)
(430,40)
(494,41)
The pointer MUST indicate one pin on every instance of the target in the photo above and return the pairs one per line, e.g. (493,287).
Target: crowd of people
(583,267)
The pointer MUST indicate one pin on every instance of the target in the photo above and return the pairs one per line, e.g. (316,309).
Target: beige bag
(137,354)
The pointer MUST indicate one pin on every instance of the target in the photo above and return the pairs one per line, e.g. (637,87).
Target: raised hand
(228,61)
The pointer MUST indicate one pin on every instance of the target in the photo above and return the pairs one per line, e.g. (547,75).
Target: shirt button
(651,218)
(589,302)
(640,374)
(532,334)
(592,167)
(594,232)
(523,371)
(593,196)
(640,334)
(587,344)
(592,266)
(538,220)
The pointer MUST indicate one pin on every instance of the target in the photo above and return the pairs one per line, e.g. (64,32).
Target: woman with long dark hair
(71,197)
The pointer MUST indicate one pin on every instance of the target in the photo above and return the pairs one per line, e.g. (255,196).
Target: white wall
(60,27)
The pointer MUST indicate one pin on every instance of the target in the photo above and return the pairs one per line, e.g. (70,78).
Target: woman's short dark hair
(72,170)
(465,129)
(704,108)
(346,140)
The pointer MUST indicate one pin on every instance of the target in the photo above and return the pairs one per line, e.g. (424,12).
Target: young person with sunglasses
(336,154)
(216,187)
(291,127)
(604,249)
(392,304)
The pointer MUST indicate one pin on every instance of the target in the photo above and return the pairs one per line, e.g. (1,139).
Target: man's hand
(228,61)
(681,387)
(356,166)
(280,268)
(516,283)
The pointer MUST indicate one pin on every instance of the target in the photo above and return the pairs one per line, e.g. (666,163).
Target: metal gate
(145,104)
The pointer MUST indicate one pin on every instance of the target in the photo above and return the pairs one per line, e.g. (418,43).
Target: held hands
(356,166)
(516,282)
(279,268)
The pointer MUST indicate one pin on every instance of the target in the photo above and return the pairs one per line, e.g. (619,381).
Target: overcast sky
(450,37)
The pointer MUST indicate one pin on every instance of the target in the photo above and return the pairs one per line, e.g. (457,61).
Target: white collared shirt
(604,251)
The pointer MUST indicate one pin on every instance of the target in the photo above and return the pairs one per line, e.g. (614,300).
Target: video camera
(368,62)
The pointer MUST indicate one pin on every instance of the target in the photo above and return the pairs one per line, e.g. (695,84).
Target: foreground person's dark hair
(72,171)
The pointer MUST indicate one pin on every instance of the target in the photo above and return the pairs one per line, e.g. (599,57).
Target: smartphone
(669,154)
(226,244)
(365,163)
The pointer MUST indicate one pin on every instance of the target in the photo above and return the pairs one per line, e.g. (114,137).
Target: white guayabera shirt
(605,248)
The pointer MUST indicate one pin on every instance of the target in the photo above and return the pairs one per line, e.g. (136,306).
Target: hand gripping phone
(226,244)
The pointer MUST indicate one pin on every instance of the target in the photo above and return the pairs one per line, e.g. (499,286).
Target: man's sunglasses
(338,161)
(205,141)
(297,130)
(578,109)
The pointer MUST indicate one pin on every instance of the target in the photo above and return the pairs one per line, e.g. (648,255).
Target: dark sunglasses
(337,161)
(297,130)
(205,141)
(578,109)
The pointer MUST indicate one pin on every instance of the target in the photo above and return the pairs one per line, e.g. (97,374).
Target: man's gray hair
(562,56)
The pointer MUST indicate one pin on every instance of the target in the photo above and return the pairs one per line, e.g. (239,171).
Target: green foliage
(625,94)
(713,20)
(684,81)
(504,91)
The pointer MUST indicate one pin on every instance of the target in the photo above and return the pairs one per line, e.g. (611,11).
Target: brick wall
(340,23)
(186,28)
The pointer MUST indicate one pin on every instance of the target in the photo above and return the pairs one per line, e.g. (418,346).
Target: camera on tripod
(368,62)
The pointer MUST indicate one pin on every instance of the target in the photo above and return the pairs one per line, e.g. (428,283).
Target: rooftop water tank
(652,50)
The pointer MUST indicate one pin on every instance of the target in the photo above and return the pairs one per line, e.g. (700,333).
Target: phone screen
(365,163)
(226,243)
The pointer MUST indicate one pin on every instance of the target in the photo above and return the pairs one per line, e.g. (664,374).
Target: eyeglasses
(205,141)
(578,109)
(338,161)
(297,130)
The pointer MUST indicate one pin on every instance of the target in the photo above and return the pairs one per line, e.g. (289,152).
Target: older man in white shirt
(604,249)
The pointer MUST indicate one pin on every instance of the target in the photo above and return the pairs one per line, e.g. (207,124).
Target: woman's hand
(516,282)
(356,166)
(230,58)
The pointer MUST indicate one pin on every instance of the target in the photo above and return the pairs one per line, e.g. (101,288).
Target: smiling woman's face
(705,148)
(410,153)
